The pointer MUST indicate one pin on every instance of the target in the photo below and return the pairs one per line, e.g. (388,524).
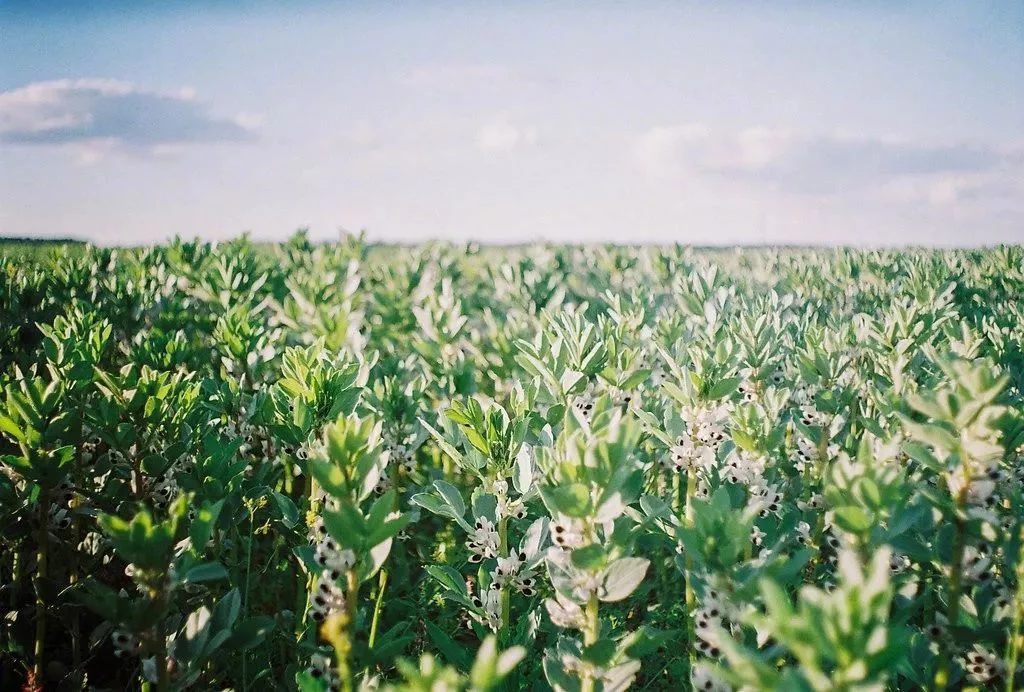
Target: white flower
(330,555)
(811,416)
(58,517)
(744,468)
(685,455)
(164,489)
(585,584)
(976,562)
(327,597)
(483,540)
(383,484)
(564,613)
(804,393)
(814,502)
(525,583)
(489,602)
(125,644)
(898,563)
(747,391)
(321,668)
(982,665)
(405,457)
(584,405)
(778,377)
(703,680)
(765,499)
(506,569)
(566,532)
(975,482)
(803,533)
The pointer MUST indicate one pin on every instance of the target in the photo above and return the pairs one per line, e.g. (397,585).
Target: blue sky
(869,122)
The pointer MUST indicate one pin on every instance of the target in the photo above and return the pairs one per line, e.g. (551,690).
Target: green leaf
(453,652)
(723,388)
(621,578)
(589,557)
(853,519)
(250,633)
(445,501)
(571,499)
(289,512)
(600,653)
(208,571)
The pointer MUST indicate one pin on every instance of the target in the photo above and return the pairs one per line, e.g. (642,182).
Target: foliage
(338,466)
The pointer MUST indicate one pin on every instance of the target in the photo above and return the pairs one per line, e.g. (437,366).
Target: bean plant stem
(590,637)
(505,595)
(42,559)
(351,594)
(245,599)
(76,531)
(1013,649)
(691,492)
(15,580)
(382,584)
(955,583)
(159,598)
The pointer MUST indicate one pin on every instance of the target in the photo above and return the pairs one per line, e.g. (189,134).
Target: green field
(352,467)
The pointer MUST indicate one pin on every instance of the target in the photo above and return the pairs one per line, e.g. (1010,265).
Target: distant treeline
(16,240)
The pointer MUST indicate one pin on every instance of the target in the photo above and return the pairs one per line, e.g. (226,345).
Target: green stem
(691,492)
(505,595)
(15,580)
(590,637)
(245,599)
(159,600)
(382,584)
(352,593)
(76,532)
(42,564)
(503,549)
(1013,652)
(953,613)
(303,584)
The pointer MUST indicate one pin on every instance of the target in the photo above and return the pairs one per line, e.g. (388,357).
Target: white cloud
(97,115)
(833,164)
(501,137)
(473,76)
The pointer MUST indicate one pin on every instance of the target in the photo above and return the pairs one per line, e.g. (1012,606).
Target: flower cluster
(327,597)
(321,668)
(483,540)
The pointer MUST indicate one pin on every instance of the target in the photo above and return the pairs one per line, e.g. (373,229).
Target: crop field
(354,467)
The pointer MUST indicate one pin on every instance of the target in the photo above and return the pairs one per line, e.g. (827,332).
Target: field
(347,467)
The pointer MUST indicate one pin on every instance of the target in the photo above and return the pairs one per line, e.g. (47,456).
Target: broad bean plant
(341,466)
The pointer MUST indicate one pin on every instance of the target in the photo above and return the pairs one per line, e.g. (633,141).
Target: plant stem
(159,600)
(76,531)
(15,580)
(1014,645)
(590,637)
(245,598)
(505,595)
(691,491)
(42,559)
(352,593)
(382,584)
(953,614)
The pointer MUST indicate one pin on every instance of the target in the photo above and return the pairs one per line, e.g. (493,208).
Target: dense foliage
(592,468)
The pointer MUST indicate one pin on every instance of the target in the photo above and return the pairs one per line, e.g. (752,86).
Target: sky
(735,122)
